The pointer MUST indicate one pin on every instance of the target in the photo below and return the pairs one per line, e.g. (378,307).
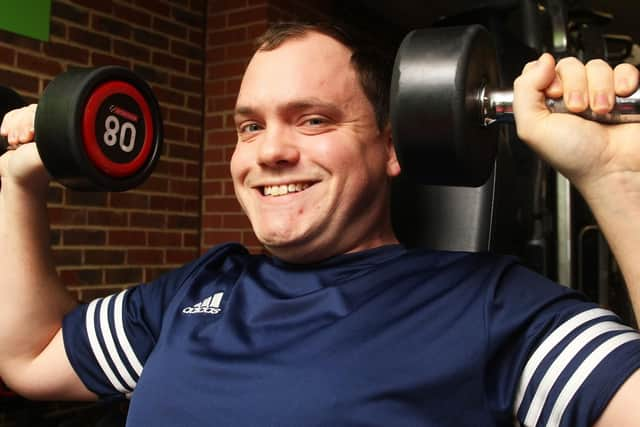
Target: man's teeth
(281,190)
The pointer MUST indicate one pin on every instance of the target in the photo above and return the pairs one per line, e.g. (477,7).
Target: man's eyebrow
(293,105)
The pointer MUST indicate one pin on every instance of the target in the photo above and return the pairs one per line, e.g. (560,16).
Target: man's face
(311,169)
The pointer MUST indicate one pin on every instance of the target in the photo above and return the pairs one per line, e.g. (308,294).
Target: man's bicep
(624,409)
(50,376)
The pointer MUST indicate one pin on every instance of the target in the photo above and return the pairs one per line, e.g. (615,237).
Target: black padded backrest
(444,217)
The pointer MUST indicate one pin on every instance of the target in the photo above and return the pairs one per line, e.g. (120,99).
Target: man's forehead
(303,68)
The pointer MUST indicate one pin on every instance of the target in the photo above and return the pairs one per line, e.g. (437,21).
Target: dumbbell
(445,101)
(96,129)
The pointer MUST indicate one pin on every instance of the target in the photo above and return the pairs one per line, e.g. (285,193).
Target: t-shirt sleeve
(108,340)
(554,359)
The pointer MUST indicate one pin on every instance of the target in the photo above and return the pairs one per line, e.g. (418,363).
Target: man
(342,326)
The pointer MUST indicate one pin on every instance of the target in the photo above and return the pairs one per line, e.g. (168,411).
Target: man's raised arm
(33,300)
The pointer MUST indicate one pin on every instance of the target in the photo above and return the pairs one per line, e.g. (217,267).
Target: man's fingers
(573,75)
(600,86)
(625,78)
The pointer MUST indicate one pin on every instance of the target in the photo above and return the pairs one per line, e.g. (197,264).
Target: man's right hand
(21,164)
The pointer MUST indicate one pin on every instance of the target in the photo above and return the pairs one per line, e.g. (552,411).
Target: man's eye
(315,121)
(250,127)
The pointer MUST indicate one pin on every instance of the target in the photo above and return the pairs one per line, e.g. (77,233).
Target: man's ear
(393,166)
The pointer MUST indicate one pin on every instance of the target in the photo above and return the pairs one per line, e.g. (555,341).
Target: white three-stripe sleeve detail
(107,336)
(561,362)
(97,350)
(125,345)
(583,371)
(548,344)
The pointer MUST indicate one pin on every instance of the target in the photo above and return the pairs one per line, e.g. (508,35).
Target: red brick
(66,51)
(89,38)
(67,257)
(219,237)
(84,198)
(129,200)
(110,26)
(154,6)
(127,238)
(240,51)
(158,238)
(7,56)
(155,183)
(19,81)
(131,50)
(235,221)
(145,256)
(195,103)
(186,84)
(214,88)
(100,59)
(184,187)
(81,276)
(218,204)
(213,155)
(185,117)
(184,152)
(65,216)
(183,222)
(169,61)
(192,171)
(169,27)
(229,69)
(168,96)
(101,5)
(175,256)
(218,170)
(246,16)
(147,220)
(190,240)
(123,275)
(226,36)
(83,237)
(132,15)
(104,257)
(108,218)
(196,37)
(69,13)
(194,136)
(212,188)
(211,221)
(195,69)
(222,138)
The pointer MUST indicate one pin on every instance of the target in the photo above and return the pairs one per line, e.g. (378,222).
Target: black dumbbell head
(435,109)
(99,129)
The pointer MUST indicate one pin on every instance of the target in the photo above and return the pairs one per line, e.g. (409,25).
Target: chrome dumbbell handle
(497,107)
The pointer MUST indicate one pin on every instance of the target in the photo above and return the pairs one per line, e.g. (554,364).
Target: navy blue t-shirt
(383,337)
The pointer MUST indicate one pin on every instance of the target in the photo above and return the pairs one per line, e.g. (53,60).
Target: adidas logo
(210,305)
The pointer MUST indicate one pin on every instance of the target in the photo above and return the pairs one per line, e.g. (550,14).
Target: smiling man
(342,326)
(312,166)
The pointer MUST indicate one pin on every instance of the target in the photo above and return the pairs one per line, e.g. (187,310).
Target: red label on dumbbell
(117,129)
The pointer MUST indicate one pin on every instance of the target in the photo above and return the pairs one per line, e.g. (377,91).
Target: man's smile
(283,189)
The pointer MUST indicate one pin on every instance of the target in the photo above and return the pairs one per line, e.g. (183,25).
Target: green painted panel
(29,18)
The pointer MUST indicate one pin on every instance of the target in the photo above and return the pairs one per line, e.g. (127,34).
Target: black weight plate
(435,108)
(9,100)
(71,126)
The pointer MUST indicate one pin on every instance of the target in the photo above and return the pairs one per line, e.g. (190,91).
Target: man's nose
(277,148)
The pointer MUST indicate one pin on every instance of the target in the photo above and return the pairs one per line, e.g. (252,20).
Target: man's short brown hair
(372,65)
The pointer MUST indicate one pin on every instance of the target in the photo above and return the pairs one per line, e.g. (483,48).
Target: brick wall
(104,241)
(232,26)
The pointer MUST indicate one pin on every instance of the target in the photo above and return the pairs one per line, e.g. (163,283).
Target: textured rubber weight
(71,125)
(435,115)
